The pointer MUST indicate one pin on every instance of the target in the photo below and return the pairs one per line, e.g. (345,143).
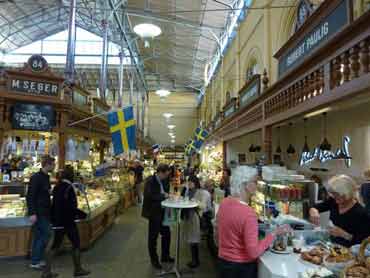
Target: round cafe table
(177,205)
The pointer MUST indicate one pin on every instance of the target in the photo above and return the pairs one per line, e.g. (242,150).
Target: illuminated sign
(324,156)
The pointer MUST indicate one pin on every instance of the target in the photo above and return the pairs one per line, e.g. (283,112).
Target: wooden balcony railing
(338,69)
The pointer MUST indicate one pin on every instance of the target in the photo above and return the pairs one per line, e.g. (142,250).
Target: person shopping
(157,190)
(351,222)
(138,170)
(64,213)
(237,233)
(192,219)
(39,206)
(225,181)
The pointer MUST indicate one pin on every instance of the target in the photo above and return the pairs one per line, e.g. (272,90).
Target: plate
(285,252)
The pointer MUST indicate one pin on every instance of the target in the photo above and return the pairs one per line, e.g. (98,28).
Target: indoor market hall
(185,138)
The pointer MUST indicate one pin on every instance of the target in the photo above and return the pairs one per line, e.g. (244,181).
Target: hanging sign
(250,92)
(319,34)
(230,109)
(324,156)
(33,117)
(37,63)
(34,87)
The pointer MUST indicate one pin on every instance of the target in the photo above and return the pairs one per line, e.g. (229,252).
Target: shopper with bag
(64,213)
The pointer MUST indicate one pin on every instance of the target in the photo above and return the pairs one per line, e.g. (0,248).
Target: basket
(361,261)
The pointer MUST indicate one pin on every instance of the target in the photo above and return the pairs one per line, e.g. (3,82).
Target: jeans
(237,270)
(156,228)
(41,236)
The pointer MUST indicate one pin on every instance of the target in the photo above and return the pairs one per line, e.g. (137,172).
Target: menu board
(33,117)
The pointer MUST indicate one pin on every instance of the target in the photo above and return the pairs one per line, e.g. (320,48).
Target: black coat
(38,195)
(65,207)
(153,198)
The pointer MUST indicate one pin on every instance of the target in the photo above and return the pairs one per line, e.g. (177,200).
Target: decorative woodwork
(265,80)
(355,63)
(364,55)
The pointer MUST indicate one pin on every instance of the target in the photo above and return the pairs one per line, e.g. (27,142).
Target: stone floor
(120,253)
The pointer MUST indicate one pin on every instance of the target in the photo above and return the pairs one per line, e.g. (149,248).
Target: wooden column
(224,154)
(267,143)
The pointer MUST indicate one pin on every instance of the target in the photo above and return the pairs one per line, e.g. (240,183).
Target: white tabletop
(179,204)
(273,265)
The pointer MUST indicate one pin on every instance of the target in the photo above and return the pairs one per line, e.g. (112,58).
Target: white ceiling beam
(177,21)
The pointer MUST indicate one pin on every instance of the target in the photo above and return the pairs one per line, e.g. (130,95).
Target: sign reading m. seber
(34,87)
(328,27)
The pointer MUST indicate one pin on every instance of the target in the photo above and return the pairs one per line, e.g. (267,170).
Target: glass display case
(286,196)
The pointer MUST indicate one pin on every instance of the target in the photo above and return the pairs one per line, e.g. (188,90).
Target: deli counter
(101,198)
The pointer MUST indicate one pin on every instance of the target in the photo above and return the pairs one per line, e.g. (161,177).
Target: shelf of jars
(289,197)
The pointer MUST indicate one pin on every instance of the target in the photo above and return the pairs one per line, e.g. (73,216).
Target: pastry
(339,254)
(315,256)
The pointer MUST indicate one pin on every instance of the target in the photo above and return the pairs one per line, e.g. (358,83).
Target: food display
(315,255)
(339,254)
(317,273)
(12,205)
(361,267)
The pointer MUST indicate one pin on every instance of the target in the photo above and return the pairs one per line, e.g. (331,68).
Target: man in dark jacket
(156,190)
(39,208)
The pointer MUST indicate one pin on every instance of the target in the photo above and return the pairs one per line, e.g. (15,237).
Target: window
(54,49)
(228,97)
(252,70)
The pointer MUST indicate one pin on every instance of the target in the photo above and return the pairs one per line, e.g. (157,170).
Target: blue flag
(190,148)
(200,136)
(123,129)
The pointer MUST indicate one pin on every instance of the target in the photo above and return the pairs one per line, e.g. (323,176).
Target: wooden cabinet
(16,241)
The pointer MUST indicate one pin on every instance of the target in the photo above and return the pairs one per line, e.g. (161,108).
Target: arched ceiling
(175,60)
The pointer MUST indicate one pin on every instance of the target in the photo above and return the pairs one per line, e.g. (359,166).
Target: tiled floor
(121,252)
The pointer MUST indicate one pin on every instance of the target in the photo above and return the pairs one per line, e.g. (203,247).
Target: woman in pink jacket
(239,247)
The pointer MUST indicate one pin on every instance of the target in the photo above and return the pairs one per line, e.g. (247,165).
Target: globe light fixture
(167,115)
(147,31)
(170,134)
(171,126)
(163,93)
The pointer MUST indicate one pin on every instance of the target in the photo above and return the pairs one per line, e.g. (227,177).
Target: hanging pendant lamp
(305,149)
(325,145)
(291,149)
(278,149)
(252,148)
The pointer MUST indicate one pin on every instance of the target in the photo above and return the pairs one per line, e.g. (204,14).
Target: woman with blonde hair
(237,232)
(351,223)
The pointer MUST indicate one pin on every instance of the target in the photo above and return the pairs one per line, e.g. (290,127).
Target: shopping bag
(170,217)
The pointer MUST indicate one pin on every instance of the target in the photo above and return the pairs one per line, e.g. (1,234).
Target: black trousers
(72,233)
(237,270)
(156,228)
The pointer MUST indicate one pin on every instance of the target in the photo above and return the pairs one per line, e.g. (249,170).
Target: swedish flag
(123,130)
(190,148)
(200,136)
